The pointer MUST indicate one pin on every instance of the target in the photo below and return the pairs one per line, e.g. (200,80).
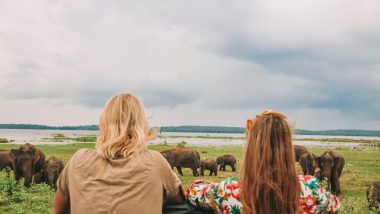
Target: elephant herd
(330,166)
(189,158)
(29,162)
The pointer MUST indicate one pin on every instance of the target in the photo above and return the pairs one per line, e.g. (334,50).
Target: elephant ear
(60,167)
(336,160)
(14,153)
(46,163)
(36,155)
(316,161)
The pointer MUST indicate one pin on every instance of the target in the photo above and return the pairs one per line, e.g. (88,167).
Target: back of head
(123,129)
(269,179)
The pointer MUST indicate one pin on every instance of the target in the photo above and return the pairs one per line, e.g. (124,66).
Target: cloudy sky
(192,63)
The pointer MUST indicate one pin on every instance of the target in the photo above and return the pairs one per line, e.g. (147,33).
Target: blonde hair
(123,128)
(269,179)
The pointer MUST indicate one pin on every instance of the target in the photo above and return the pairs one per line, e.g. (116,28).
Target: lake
(39,137)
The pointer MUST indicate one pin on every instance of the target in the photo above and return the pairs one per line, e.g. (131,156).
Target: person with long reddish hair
(269,182)
(268,179)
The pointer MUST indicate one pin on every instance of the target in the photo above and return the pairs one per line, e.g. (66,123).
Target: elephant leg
(224,167)
(335,184)
(234,168)
(8,170)
(17,176)
(210,172)
(215,172)
(339,173)
(220,167)
(304,171)
(195,172)
(179,170)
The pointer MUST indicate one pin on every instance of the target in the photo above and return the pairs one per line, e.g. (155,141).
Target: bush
(58,135)
(4,140)
(15,198)
(89,138)
(181,144)
(165,143)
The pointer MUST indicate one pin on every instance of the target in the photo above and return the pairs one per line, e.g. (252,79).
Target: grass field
(361,169)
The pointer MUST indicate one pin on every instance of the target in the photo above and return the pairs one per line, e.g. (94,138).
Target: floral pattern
(221,197)
(224,197)
(314,198)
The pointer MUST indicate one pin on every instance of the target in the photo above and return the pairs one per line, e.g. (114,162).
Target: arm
(173,191)
(179,197)
(61,203)
(312,190)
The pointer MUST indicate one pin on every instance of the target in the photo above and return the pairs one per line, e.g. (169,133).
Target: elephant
(39,177)
(299,151)
(183,157)
(6,161)
(52,170)
(306,162)
(373,195)
(209,164)
(331,166)
(224,160)
(27,161)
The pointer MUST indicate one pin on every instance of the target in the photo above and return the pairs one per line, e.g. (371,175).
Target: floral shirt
(224,197)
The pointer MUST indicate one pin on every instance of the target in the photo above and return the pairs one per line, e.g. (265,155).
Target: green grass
(361,169)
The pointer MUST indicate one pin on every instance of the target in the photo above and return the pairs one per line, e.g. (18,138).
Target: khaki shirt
(138,184)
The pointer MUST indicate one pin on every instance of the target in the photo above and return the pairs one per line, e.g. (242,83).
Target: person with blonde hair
(121,175)
(268,179)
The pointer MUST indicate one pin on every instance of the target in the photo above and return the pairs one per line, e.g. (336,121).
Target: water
(39,137)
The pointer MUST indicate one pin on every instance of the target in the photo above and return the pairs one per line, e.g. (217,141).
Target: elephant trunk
(27,172)
(51,179)
(327,173)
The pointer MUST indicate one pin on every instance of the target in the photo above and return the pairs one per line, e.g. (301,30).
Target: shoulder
(155,155)
(84,152)
(309,184)
(308,179)
(150,156)
(83,155)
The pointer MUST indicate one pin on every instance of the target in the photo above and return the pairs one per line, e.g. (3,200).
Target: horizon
(190,63)
(169,126)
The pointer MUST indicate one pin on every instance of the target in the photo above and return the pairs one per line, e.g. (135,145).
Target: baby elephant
(306,162)
(224,160)
(209,164)
(373,196)
(52,170)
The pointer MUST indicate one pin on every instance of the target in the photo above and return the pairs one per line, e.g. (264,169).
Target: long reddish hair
(269,182)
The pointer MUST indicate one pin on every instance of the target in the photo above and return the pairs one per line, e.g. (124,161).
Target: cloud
(227,59)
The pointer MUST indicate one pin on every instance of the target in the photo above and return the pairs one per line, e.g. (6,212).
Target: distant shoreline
(200,129)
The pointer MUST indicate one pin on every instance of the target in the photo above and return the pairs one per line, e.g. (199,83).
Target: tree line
(200,129)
